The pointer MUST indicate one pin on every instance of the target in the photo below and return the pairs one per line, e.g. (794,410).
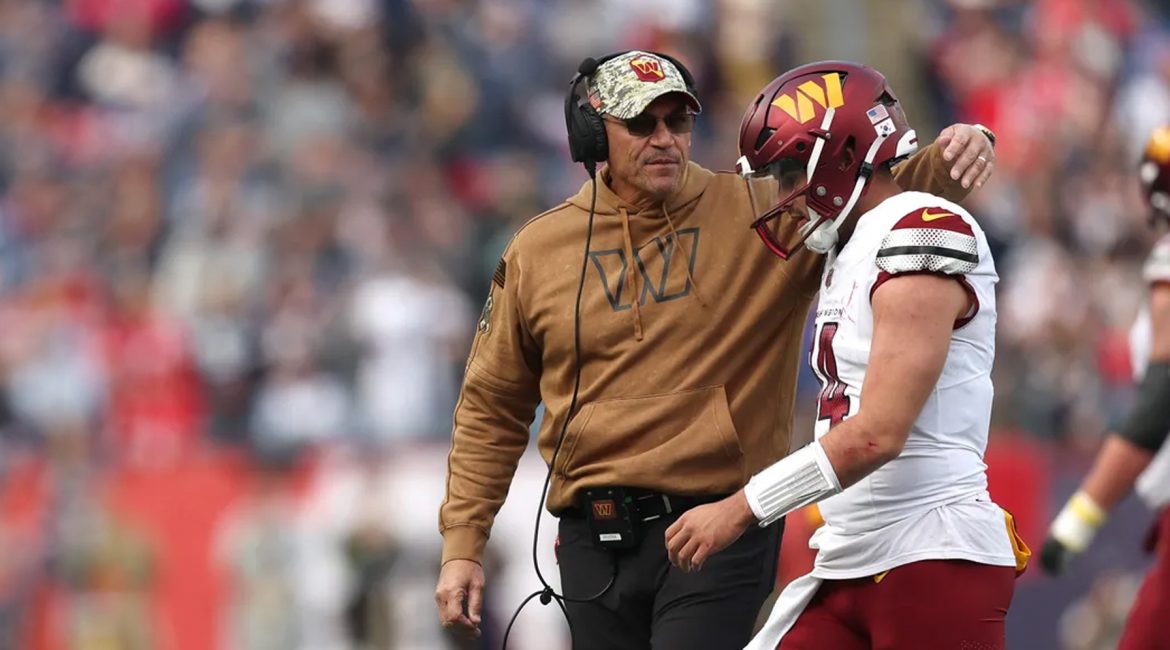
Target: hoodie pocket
(684,442)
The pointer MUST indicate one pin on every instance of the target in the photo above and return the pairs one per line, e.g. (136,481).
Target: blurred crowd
(250,238)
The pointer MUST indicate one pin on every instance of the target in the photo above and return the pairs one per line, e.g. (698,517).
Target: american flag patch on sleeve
(501,273)
(932,240)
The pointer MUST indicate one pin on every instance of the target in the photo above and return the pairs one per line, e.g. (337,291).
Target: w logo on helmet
(647,68)
(801,107)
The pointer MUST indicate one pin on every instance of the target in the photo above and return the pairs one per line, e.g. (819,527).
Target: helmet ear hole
(848,153)
(800,147)
(761,139)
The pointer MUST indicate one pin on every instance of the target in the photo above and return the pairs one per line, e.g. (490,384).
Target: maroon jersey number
(833,402)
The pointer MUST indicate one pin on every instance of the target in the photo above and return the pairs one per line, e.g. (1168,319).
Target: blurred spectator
(1095,621)
(298,405)
(258,546)
(107,571)
(155,408)
(371,553)
(413,332)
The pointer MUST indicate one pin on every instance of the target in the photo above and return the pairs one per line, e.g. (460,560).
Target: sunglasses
(645,125)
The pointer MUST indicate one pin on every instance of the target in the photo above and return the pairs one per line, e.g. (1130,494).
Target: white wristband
(1077,523)
(803,477)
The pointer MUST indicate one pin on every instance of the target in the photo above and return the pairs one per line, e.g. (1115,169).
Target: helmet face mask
(781,213)
(835,120)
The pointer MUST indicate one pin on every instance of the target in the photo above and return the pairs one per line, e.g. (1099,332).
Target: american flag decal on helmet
(933,240)
(877,114)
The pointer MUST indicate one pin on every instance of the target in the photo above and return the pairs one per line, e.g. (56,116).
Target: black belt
(649,505)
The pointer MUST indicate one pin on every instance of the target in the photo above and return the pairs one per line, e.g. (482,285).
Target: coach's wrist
(742,510)
(987,133)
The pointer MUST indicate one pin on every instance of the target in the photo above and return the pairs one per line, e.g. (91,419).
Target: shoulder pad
(929,239)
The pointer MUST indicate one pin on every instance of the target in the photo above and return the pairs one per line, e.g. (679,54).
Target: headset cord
(548,594)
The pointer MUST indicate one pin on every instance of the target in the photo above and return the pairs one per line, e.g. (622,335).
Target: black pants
(653,604)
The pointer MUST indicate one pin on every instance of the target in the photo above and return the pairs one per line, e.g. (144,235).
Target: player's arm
(913,318)
(1125,454)
(495,408)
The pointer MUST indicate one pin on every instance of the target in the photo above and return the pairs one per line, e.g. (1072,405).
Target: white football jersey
(1153,486)
(931,502)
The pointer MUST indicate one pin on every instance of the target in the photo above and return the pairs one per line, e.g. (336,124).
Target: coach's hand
(970,151)
(705,530)
(460,596)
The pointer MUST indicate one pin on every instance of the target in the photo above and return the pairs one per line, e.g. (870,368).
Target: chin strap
(824,238)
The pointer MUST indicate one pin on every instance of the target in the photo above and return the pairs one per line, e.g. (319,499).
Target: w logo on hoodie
(660,264)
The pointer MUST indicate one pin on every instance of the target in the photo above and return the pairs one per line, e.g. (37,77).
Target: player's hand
(459,596)
(1071,532)
(705,530)
(970,153)
(1054,556)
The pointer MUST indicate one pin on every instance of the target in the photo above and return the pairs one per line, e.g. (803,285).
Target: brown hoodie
(687,389)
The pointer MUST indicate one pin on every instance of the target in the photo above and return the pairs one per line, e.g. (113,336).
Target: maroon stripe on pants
(919,606)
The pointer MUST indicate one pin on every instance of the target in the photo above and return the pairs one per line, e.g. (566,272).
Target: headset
(589,145)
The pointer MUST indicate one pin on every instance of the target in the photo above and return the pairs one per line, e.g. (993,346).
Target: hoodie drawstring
(634,272)
(687,253)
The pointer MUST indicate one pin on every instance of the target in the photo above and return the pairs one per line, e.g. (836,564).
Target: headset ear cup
(574,128)
(594,133)
(587,139)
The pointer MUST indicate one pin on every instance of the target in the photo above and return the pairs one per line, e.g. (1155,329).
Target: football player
(1136,456)
(913,552)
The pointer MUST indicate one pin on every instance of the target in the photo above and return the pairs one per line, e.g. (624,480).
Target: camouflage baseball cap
(625,85)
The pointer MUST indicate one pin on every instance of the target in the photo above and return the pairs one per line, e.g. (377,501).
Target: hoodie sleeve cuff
(926,171)
(463,542)
(943,185)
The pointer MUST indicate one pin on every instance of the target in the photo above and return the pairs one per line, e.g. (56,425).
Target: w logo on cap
(647,68)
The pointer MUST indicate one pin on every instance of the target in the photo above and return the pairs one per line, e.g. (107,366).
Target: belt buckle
(666,506)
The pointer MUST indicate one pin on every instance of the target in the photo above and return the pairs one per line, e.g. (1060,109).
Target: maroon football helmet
(1155,173)
(819,131)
